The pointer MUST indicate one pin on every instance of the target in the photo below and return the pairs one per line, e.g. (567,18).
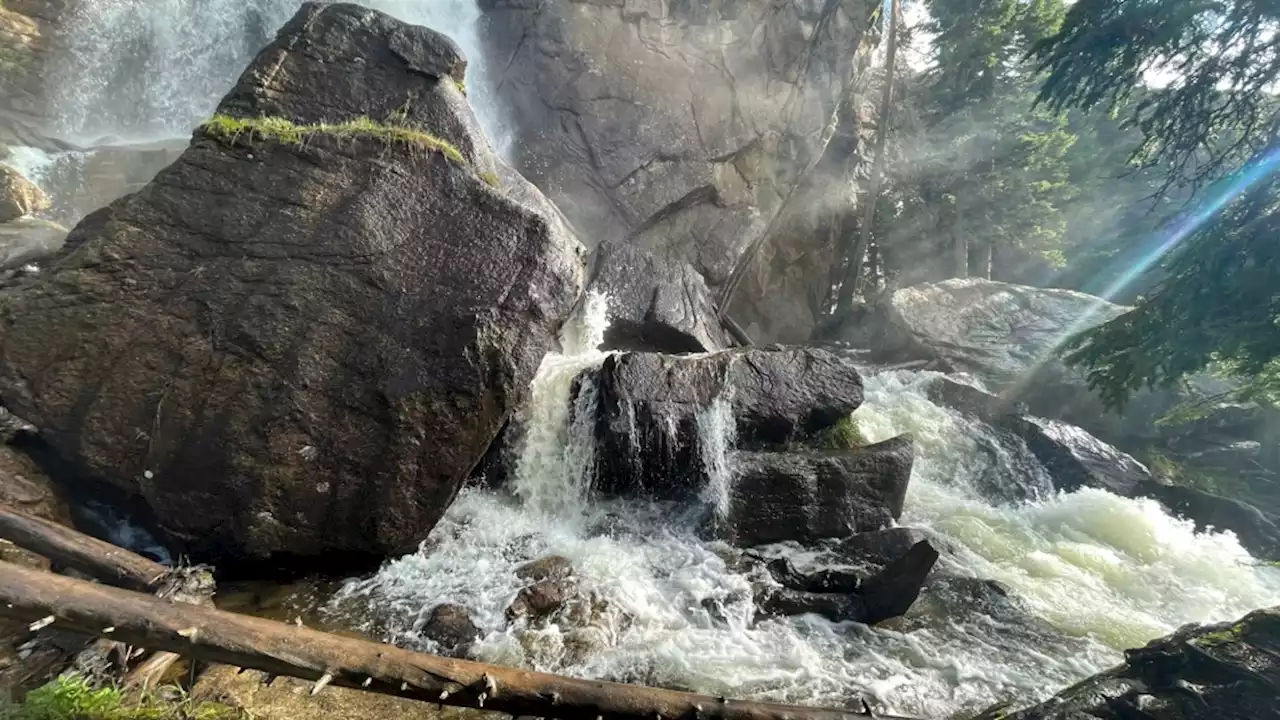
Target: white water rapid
(1098,574)
(142,70)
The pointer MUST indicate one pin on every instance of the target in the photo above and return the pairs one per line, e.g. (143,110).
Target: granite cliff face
(681,128)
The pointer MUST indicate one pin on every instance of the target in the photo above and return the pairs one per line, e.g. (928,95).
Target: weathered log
(216,636)
(98,559)
(114,566)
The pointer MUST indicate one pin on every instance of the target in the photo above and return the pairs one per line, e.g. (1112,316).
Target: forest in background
(1124,149)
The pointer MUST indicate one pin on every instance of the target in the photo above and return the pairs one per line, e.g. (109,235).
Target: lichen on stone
(225,127)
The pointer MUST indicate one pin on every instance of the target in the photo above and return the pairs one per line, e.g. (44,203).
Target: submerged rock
(813,495)
(19,196)
(451,627)
(658,413)
(655,305)
(296,347)
(1229,672)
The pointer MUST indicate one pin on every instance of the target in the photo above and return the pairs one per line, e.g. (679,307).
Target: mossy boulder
(301,336)
(1228,671)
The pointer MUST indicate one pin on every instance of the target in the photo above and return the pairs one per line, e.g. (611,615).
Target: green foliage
(491,179)
(1219,58)
(1209,130)
(228,128)
(74,698)
(1219,304)
(844,435)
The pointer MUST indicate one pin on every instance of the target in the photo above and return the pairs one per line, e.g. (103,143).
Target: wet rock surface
(18,195)
(1076,458)
(651,407)
(29,240)
(1228,671)
(452,628)
(300,348)
(813,495)
(655,304)
(842,596)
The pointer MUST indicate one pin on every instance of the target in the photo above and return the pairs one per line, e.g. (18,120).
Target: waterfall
(558,451)
(1097,572)
(148,69)
(717,432)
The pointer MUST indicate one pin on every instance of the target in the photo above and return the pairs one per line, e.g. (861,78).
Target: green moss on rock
(844,435)
(225,127)
(74,698)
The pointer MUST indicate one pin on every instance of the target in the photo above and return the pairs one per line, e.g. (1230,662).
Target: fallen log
(91,556)
(114,566)
(279,649)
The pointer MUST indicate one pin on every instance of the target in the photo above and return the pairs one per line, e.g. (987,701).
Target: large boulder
(814,495)
(19,196)
(293,347)
(1076,459)
(1011,338)
(654,304)
(662,417)
(999,332)
(678,127)
(1223,671)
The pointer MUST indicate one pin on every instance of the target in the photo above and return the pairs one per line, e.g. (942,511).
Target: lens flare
(1226,191)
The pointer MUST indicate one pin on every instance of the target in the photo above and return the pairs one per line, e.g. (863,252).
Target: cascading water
(148,69)
(1103,573)
(1097,572)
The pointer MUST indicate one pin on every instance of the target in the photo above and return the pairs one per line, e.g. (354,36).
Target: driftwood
(93,557)
(114,566)
(279,649)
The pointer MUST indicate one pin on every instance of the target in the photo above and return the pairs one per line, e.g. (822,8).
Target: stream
(1091,573)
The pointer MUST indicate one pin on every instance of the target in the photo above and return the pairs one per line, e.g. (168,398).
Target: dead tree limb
(114,566)
(213,635)
(98,559)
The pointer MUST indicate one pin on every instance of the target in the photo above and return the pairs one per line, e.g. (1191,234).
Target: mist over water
(149,69)
(1096,572)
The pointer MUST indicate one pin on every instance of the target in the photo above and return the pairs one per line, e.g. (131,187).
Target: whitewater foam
(1099,573)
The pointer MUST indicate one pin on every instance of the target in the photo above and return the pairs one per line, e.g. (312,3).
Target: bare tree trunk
(853,271)
(960,246)
(222,637)
(91,556)
(114,566)
(986,254)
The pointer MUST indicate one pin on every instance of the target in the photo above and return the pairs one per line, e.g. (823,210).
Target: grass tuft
(225,127)
(75,698)
(844,435)
(491,178)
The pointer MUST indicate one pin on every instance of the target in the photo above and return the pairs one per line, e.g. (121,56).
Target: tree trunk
(114,566)
(853,271)
(91,556)
(213,635)
(960,246)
